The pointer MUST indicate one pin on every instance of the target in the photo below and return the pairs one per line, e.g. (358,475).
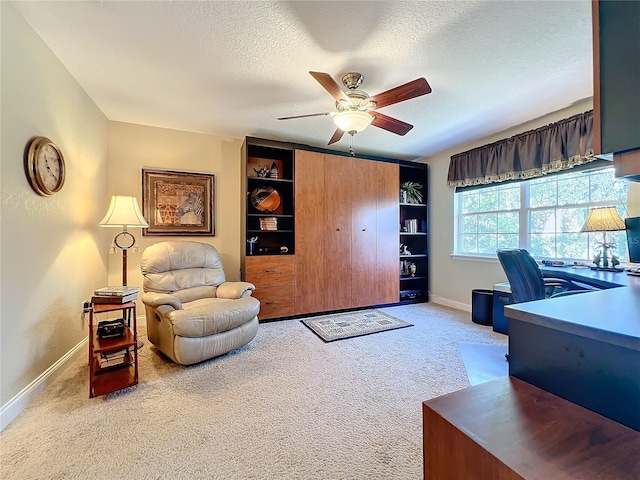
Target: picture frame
(178,203)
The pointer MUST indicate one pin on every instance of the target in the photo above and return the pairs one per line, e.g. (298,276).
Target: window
(543,215)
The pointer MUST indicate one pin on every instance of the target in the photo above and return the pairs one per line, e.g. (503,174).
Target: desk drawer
(275,302)
(270,270)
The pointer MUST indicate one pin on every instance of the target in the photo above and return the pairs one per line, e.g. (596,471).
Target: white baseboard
(465,307)
(17,404)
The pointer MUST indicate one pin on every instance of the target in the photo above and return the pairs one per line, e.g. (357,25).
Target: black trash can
(482,306)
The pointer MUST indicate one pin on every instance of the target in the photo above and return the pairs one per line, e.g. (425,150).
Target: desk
(584,348)
(596,278)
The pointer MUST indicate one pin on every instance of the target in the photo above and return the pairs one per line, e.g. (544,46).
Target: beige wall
(51,250)
(453,279)
(53,254)
(134,147)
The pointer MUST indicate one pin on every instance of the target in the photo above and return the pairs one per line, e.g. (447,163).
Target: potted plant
(411,192)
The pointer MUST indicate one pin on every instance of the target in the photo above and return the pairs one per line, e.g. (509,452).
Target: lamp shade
(352,121)
(123,212)
(603,219)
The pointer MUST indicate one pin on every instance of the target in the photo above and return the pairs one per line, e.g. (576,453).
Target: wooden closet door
(337,238)
(388,223)
(364,271)
(309,227)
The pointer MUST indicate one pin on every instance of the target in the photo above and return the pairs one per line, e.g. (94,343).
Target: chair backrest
(173,266)
(524,275)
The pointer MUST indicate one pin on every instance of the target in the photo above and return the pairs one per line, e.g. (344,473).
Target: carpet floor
(286,406)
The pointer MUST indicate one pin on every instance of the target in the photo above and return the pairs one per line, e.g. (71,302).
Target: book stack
(116,294)
(411,225)
(111,359)
(269,223)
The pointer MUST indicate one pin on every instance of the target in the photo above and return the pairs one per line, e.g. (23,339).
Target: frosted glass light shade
(603,219)
(352,121)
(123,212)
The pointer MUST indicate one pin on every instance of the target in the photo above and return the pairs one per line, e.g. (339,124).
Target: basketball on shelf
(265,199)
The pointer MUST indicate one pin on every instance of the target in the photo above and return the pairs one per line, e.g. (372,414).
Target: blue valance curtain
(552,148)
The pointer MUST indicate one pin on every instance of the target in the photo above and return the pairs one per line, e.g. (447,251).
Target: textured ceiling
(232,68)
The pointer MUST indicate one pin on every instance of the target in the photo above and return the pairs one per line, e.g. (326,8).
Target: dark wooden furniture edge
(508,429)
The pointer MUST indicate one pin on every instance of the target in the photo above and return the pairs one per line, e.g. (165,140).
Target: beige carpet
(286,406)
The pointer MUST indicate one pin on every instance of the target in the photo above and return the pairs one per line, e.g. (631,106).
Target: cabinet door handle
(337,229)
(270,303)
(271,271)
(364,229)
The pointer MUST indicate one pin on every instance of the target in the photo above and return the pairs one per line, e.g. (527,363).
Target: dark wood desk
(507,429)
(584,348)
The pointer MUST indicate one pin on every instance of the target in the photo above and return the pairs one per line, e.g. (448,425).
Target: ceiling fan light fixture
(352,121)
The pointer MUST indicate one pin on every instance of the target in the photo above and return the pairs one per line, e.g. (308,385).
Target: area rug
(484,361)
(339,326)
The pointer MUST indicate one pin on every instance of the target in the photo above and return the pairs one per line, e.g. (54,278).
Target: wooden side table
(113,362)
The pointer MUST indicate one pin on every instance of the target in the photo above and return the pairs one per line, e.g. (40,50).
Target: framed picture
(178,203)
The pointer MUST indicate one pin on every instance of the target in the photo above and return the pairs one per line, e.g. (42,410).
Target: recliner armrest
(234,290)
(154,299)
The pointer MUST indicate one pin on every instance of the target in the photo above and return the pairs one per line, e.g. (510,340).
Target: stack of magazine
(113,359)
(116,294)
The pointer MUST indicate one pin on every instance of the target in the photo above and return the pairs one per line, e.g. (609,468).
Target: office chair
(527,282)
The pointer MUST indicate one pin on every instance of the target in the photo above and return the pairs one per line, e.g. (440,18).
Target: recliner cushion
(209,316)
(171,266)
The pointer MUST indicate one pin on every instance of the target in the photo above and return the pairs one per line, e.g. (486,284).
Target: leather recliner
(192,312)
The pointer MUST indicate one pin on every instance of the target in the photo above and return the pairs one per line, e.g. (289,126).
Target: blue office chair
(527,282)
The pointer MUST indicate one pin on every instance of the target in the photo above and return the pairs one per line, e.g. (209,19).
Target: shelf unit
(414,283)
(268,168)
(107,379)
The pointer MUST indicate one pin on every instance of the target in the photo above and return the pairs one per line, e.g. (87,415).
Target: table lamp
(123,212)
(604,219)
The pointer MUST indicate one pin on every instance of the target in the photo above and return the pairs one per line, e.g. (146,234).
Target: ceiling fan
(355,109)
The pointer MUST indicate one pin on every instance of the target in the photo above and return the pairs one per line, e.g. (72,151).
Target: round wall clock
(45,166)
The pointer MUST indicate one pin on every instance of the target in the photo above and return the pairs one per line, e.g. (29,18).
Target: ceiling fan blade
(337,135)
(401,93)
(329,85)
(308,115)
(390,124)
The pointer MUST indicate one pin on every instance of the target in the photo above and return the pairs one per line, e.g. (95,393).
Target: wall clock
(45,166)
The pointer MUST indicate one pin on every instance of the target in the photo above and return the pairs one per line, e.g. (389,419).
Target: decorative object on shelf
(265,199)
(273,171)
(404,250)
(178,203)
(411,192)
(412,269)
(264,168)
(261,172)
(604,219)
(45,166)
(252,243)
(123,212)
